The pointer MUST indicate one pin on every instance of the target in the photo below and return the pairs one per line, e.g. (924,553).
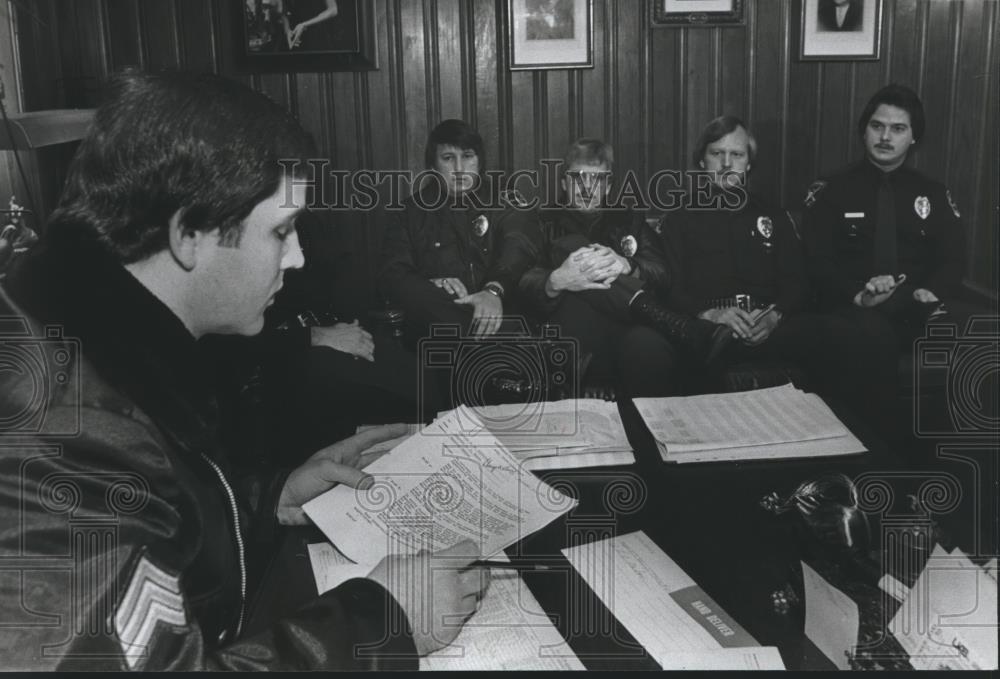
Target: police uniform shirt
(719,253)
(450,241)
(624,231)
(840,224)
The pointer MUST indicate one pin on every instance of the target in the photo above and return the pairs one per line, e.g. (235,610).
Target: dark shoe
(700,337)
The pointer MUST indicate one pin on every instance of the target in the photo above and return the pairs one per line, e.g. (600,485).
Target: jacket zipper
(239,540)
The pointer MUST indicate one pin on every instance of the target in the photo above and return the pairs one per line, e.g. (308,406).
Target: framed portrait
(550,34)
(841,30)
(697,12)
(306,35)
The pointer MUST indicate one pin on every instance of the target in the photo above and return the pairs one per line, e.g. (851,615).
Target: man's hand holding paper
(449,483)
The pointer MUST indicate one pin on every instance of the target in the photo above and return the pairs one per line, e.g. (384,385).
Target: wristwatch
(494,288)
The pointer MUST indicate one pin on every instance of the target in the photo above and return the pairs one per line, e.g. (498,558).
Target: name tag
(854,215)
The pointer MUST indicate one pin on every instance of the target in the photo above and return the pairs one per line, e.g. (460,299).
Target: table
(707,517)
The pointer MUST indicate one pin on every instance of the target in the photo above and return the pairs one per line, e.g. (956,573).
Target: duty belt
(745,302)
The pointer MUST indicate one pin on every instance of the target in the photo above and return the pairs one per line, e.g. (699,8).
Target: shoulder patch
(153,597)
(513,198)
(814,190)
(951,202)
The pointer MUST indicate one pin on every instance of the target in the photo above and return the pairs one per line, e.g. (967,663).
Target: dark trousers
(637,359)
(425,305)
(854,365)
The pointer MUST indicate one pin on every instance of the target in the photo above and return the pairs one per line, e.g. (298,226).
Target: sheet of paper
(741,419)
(432,491)
(579,461)
(386,446)
(760,658)
(331,568)
(571,423)
(842,445)
(510,631)
(653,597)
(832,619)
(949,619)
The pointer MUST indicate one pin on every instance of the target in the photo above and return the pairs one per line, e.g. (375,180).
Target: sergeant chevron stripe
(153,596)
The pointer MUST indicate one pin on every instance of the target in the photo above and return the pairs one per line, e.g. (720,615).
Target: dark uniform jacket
(126,533)
(716,253)
(624,231)
(839,233)
(450,242)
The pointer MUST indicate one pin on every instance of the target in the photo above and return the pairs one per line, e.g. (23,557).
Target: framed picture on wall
(697,12)
(841,30)
(550,34)
(306,35)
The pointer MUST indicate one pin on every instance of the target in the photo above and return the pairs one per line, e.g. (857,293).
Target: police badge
(480,225)
(629,246)
(922,206)
(765,226)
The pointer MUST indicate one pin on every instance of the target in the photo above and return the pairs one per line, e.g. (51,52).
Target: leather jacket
(134,535)
(624,231)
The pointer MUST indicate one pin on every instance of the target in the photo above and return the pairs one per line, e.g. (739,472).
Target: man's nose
(294,257)
(727,161)
(885,134)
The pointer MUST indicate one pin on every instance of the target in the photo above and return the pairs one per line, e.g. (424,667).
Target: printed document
(656,601)
(509,631)
(435,489)
(765,423)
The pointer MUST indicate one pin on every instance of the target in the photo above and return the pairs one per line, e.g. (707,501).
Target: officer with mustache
(885,243)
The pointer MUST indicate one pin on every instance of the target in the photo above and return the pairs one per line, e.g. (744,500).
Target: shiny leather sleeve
(519,247)
(397,268)
(98,536)
(650,259)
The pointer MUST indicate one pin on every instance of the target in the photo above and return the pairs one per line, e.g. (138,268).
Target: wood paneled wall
(650,91)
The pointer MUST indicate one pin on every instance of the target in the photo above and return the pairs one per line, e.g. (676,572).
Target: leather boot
(700,337)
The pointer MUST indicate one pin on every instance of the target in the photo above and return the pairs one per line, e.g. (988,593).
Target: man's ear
(701,164)
(184,242)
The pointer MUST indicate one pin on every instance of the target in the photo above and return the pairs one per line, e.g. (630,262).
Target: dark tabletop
(708,518)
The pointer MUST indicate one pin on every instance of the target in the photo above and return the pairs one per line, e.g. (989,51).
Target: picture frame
(851,33)
(677,13)
(550,34)
(344,40)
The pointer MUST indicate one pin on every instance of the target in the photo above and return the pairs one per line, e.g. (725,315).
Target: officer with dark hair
(444,256)
(741,264)
(131,528)
(885,243)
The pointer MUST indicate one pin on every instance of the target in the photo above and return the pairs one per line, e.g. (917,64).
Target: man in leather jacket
(596,274)
(127,531)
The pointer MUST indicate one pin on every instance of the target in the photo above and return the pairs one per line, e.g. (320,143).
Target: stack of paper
(779,422)
(559,434)
(949,618)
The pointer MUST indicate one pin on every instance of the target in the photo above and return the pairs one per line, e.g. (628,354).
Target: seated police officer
(131,527)
(885,243)
(443,257)
(736,260)
(596,278)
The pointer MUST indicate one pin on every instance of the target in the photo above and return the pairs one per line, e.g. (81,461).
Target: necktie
(885,230)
